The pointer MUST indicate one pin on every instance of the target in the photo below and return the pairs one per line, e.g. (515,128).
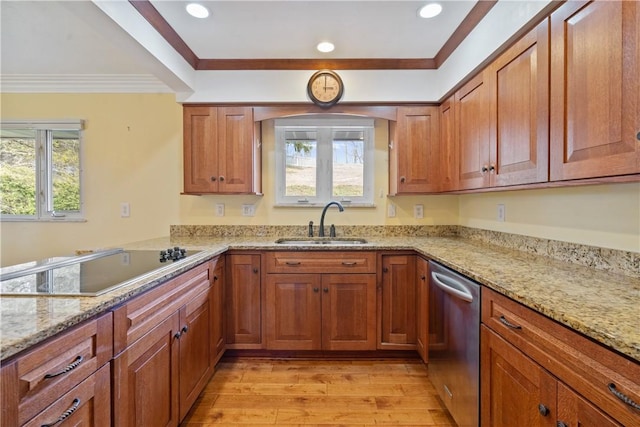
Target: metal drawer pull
(65,414)
(561,424)
(349,263)
(544,411)
(509,324)
(73,365)
(623,397)
(292,262)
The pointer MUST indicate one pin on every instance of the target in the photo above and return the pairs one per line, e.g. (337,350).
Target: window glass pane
(301,163)
(65,171)
(18,172)
(348,163)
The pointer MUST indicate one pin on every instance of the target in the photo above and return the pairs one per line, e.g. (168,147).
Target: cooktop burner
(89,275)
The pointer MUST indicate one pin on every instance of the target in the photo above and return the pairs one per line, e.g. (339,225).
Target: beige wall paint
(133,153)
(600,215)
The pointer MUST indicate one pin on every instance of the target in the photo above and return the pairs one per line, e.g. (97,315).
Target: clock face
(325,88)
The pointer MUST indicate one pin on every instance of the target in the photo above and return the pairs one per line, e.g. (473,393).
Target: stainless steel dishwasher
(454,342)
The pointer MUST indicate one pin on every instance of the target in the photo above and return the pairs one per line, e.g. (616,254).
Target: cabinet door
(293,312)
(349,311)
(398,302)
(515,390)
(145,379)
(200,149)
(519,108)
(447,155)
(422,308)
(415,151)
(573,410)
(243,296)
(218,308)
(472,142)
(235,155)
(196,349)
(595,89)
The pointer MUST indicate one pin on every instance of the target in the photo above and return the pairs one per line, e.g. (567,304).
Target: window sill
(43,220)
(322,205)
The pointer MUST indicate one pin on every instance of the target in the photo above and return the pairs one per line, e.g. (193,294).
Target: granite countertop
(601,305)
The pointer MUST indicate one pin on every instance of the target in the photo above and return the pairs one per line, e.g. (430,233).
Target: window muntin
(324,158)
(40,170)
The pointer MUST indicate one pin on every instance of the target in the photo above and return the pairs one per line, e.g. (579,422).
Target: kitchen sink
(321,241)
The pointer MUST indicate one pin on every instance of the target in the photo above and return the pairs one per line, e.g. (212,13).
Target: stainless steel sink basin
(321,241)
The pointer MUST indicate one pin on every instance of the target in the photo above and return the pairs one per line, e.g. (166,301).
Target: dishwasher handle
(451,286)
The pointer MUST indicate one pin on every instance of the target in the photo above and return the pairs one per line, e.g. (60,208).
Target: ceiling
(46,38)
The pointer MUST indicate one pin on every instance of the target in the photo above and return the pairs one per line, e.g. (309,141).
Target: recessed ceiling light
(430,10)
(197,10)
(325,47)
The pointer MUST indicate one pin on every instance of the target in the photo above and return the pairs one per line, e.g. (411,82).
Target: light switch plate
(125,210)
(391,210)
(219,209)
(502,212)
(418,211)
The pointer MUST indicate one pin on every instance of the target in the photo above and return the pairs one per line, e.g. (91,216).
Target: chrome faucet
(324,211)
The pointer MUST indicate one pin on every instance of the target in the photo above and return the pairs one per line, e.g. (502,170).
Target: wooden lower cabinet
(160,374)
(243,297)
(397,304)
(422,308)
(321,311)
(536,372)
(514,389)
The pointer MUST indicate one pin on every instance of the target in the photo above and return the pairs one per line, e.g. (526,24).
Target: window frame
(324,125)
(44,130)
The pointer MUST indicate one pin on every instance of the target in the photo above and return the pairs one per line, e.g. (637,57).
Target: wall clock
(325,88)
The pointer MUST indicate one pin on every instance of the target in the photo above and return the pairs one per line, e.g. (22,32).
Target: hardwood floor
(260,392)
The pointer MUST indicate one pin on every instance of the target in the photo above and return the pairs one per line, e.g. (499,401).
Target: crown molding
(82,83)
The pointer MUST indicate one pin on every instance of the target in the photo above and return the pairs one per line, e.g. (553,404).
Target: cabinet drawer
(321,262)
(588,367)
(87,404)
(38,378)
(138,316)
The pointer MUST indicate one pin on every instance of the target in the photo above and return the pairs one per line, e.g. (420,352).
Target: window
(40,170)
(319,159)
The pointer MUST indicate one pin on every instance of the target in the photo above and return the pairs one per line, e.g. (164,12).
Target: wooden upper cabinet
(595,89)
(501,119)
(413,151)
(471,166)
(519,111)
(221,150)
(447,153)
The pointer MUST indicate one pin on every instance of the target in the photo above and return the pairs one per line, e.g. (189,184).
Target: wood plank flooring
(260,392)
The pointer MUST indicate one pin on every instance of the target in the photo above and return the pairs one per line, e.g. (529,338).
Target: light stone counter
(601,304)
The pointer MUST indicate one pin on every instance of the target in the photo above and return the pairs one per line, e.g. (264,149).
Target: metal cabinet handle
(70,367)
(484,169)
(561,424)
(185,328)
(403,179)
(316,290)
(255,270)
(292,262)
(66,414)
(349,263)
(326,290)
(423,277)
(215,277)
(492,167)
(544,411)
(638,136)
(385,269)
(221,178)
(623,397)
(213,179)
(177,335)
(505,322)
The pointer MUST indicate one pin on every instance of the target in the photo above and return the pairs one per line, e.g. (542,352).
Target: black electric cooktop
(88,275)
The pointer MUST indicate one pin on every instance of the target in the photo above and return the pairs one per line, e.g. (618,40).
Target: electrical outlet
(248,210)
(418,211)
(391,210)
(125,210)
(219,209)
(501,212)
